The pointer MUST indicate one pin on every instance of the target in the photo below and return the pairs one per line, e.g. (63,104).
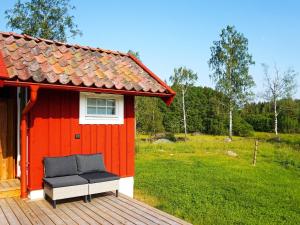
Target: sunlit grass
(200,183)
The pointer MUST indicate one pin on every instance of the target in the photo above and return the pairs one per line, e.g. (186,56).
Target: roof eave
(166,97)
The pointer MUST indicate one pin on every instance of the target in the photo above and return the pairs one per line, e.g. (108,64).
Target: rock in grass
(162,140)
(232,153)
(227,139)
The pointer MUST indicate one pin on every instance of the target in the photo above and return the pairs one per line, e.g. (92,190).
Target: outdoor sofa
(77,175)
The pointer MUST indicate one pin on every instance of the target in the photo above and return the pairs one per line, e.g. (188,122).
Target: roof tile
(64,78)
(44,60)
(38,76)
(51,77)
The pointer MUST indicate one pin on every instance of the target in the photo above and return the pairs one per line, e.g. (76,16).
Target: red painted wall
(53,123)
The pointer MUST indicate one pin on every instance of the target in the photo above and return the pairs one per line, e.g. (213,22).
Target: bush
(242,128)
(260,122)
(171,137)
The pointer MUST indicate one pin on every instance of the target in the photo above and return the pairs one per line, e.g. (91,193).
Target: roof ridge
(47,41)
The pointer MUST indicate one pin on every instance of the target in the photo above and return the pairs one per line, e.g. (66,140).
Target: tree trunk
(275,118)
(184,116)
(230,121)
(153,119)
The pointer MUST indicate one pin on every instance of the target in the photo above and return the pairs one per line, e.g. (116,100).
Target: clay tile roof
(39,60)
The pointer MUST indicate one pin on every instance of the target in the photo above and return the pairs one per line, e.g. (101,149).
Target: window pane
(91,102)
(101,102)
(111,102)
(91,110)
(111,111)
(101,110)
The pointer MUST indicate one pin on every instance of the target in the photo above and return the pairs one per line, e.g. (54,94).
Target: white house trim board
(18,132)
(126,186)
(36,194)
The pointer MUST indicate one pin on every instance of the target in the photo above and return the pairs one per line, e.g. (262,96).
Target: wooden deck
(104,209)
(9,188)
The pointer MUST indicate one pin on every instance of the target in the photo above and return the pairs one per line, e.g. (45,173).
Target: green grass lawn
(198,182)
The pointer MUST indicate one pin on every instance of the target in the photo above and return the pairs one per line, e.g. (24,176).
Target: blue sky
(170,33)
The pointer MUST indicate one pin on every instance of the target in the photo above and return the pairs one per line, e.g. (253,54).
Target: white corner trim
(88,119)
(126,186)
(36,194)
(18,132)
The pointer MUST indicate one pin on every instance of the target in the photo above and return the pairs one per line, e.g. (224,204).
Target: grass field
(198,182)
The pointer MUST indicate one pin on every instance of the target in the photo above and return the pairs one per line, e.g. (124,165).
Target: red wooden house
(58,99)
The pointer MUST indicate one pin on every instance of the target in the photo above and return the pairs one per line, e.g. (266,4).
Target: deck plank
(3,219)
(90,213)
(9,188)
(10,184)
(125,215)
(30,214)
(68,220)
(103,214)
(5,184)
(139,211)
(50,213)
(104,209)
(73,215)
(10,216)
(18,212)
(128,211)
(82,214)
(142,205)
(39,213)
(149,211)
(121,219)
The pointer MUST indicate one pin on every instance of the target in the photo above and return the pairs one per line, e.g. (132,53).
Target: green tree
(47,19)
(183,78)
(149,118)
(261,115)
(288,119)
(278,86)
(230,63)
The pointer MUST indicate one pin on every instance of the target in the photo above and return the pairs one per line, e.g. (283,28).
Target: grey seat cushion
(90,163)
(97,177)
(56,182)
(60,166)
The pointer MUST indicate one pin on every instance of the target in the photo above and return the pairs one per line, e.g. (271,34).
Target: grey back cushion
(60,166)
(90,163)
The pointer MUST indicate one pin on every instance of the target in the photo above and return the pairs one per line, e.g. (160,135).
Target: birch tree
(230,62)
(183,78)
(278,86)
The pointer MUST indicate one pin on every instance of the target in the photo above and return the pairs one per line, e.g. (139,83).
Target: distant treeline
(207,112)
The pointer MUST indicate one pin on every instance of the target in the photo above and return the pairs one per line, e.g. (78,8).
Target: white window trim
(84,118)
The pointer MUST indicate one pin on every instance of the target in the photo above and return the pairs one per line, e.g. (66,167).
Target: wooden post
(255,153)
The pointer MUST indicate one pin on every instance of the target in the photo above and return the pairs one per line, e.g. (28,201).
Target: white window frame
(85,118)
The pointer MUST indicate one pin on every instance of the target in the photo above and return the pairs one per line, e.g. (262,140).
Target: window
(101,109)
(100,106)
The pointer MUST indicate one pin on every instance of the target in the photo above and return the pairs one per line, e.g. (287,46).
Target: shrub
(242,128)
(171,137)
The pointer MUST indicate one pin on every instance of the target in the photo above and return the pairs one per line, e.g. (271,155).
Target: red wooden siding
(54,121)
